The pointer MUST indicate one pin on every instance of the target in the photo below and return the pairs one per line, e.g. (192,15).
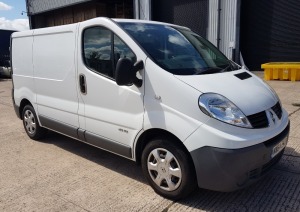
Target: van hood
(241,87)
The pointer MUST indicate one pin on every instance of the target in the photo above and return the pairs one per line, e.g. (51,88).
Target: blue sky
(10,15)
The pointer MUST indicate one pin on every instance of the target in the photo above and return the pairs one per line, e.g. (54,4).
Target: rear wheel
(168,169)
(31,124)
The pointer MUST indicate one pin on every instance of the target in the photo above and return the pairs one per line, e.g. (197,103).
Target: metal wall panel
(212,30)
(136,9)
(142,9)
(223,28)
(189,13)
(38,6)
(270,31)
(228,27)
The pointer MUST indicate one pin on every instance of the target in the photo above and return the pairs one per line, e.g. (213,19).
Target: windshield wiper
(226,68)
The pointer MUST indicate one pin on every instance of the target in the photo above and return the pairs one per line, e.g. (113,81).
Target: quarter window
(102,50)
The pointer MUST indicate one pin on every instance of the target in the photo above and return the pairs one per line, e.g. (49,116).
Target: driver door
(111,115)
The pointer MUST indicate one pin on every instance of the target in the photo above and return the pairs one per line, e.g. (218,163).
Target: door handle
(82,84)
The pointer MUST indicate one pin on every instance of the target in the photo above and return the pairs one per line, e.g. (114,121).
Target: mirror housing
(126,72)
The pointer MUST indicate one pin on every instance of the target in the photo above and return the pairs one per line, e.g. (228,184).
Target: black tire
(164,171)
(31,124)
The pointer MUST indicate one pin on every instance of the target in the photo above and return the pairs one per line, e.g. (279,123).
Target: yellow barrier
(282,71)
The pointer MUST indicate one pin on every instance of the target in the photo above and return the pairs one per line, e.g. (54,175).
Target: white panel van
(155,93)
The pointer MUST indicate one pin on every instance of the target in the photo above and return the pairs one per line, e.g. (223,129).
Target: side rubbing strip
(80,133)
(59,127)
(86,137)
(107,144)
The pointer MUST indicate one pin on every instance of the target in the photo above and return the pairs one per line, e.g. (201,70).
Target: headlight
(221,108)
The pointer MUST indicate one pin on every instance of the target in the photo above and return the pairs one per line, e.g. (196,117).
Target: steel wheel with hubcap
(31,124)
(164,169)
(168,169)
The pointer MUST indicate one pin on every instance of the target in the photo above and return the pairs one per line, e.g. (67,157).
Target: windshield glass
(179,51)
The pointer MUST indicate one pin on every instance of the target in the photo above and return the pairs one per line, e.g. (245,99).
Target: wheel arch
(23,103)
(153,133)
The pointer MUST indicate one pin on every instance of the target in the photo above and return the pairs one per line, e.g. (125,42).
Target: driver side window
(102,49)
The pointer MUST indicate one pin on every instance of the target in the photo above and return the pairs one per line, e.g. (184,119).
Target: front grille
(278,110)
(258,120)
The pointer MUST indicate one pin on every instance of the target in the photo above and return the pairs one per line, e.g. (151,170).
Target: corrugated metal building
(259,30)
(45,13)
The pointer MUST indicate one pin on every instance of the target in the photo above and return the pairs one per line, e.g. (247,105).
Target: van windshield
(179,51)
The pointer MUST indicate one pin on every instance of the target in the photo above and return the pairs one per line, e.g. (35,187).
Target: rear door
(111,115)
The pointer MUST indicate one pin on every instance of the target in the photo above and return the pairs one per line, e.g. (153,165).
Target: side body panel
(170,104)
(23,80)
(54,72)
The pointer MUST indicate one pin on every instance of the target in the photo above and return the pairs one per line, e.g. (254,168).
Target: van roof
(148,22)
(70,27)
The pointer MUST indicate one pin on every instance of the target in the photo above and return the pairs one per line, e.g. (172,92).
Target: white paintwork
(109,108)
(54,73)
(236,90)
(177,110)
(46,68)
(23,67)
(219,134)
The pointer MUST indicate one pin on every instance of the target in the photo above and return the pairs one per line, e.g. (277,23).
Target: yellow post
(268,73)
(275,73)
(293,75)
(285,74)
(297,70)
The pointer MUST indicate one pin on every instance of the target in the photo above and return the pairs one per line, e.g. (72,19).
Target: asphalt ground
(62,174)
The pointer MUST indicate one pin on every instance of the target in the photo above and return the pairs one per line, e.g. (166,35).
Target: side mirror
(126,72)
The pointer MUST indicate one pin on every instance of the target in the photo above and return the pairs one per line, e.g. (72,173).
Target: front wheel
(31,124)
(168,169)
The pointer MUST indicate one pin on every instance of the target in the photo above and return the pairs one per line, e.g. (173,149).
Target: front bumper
(231,169)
